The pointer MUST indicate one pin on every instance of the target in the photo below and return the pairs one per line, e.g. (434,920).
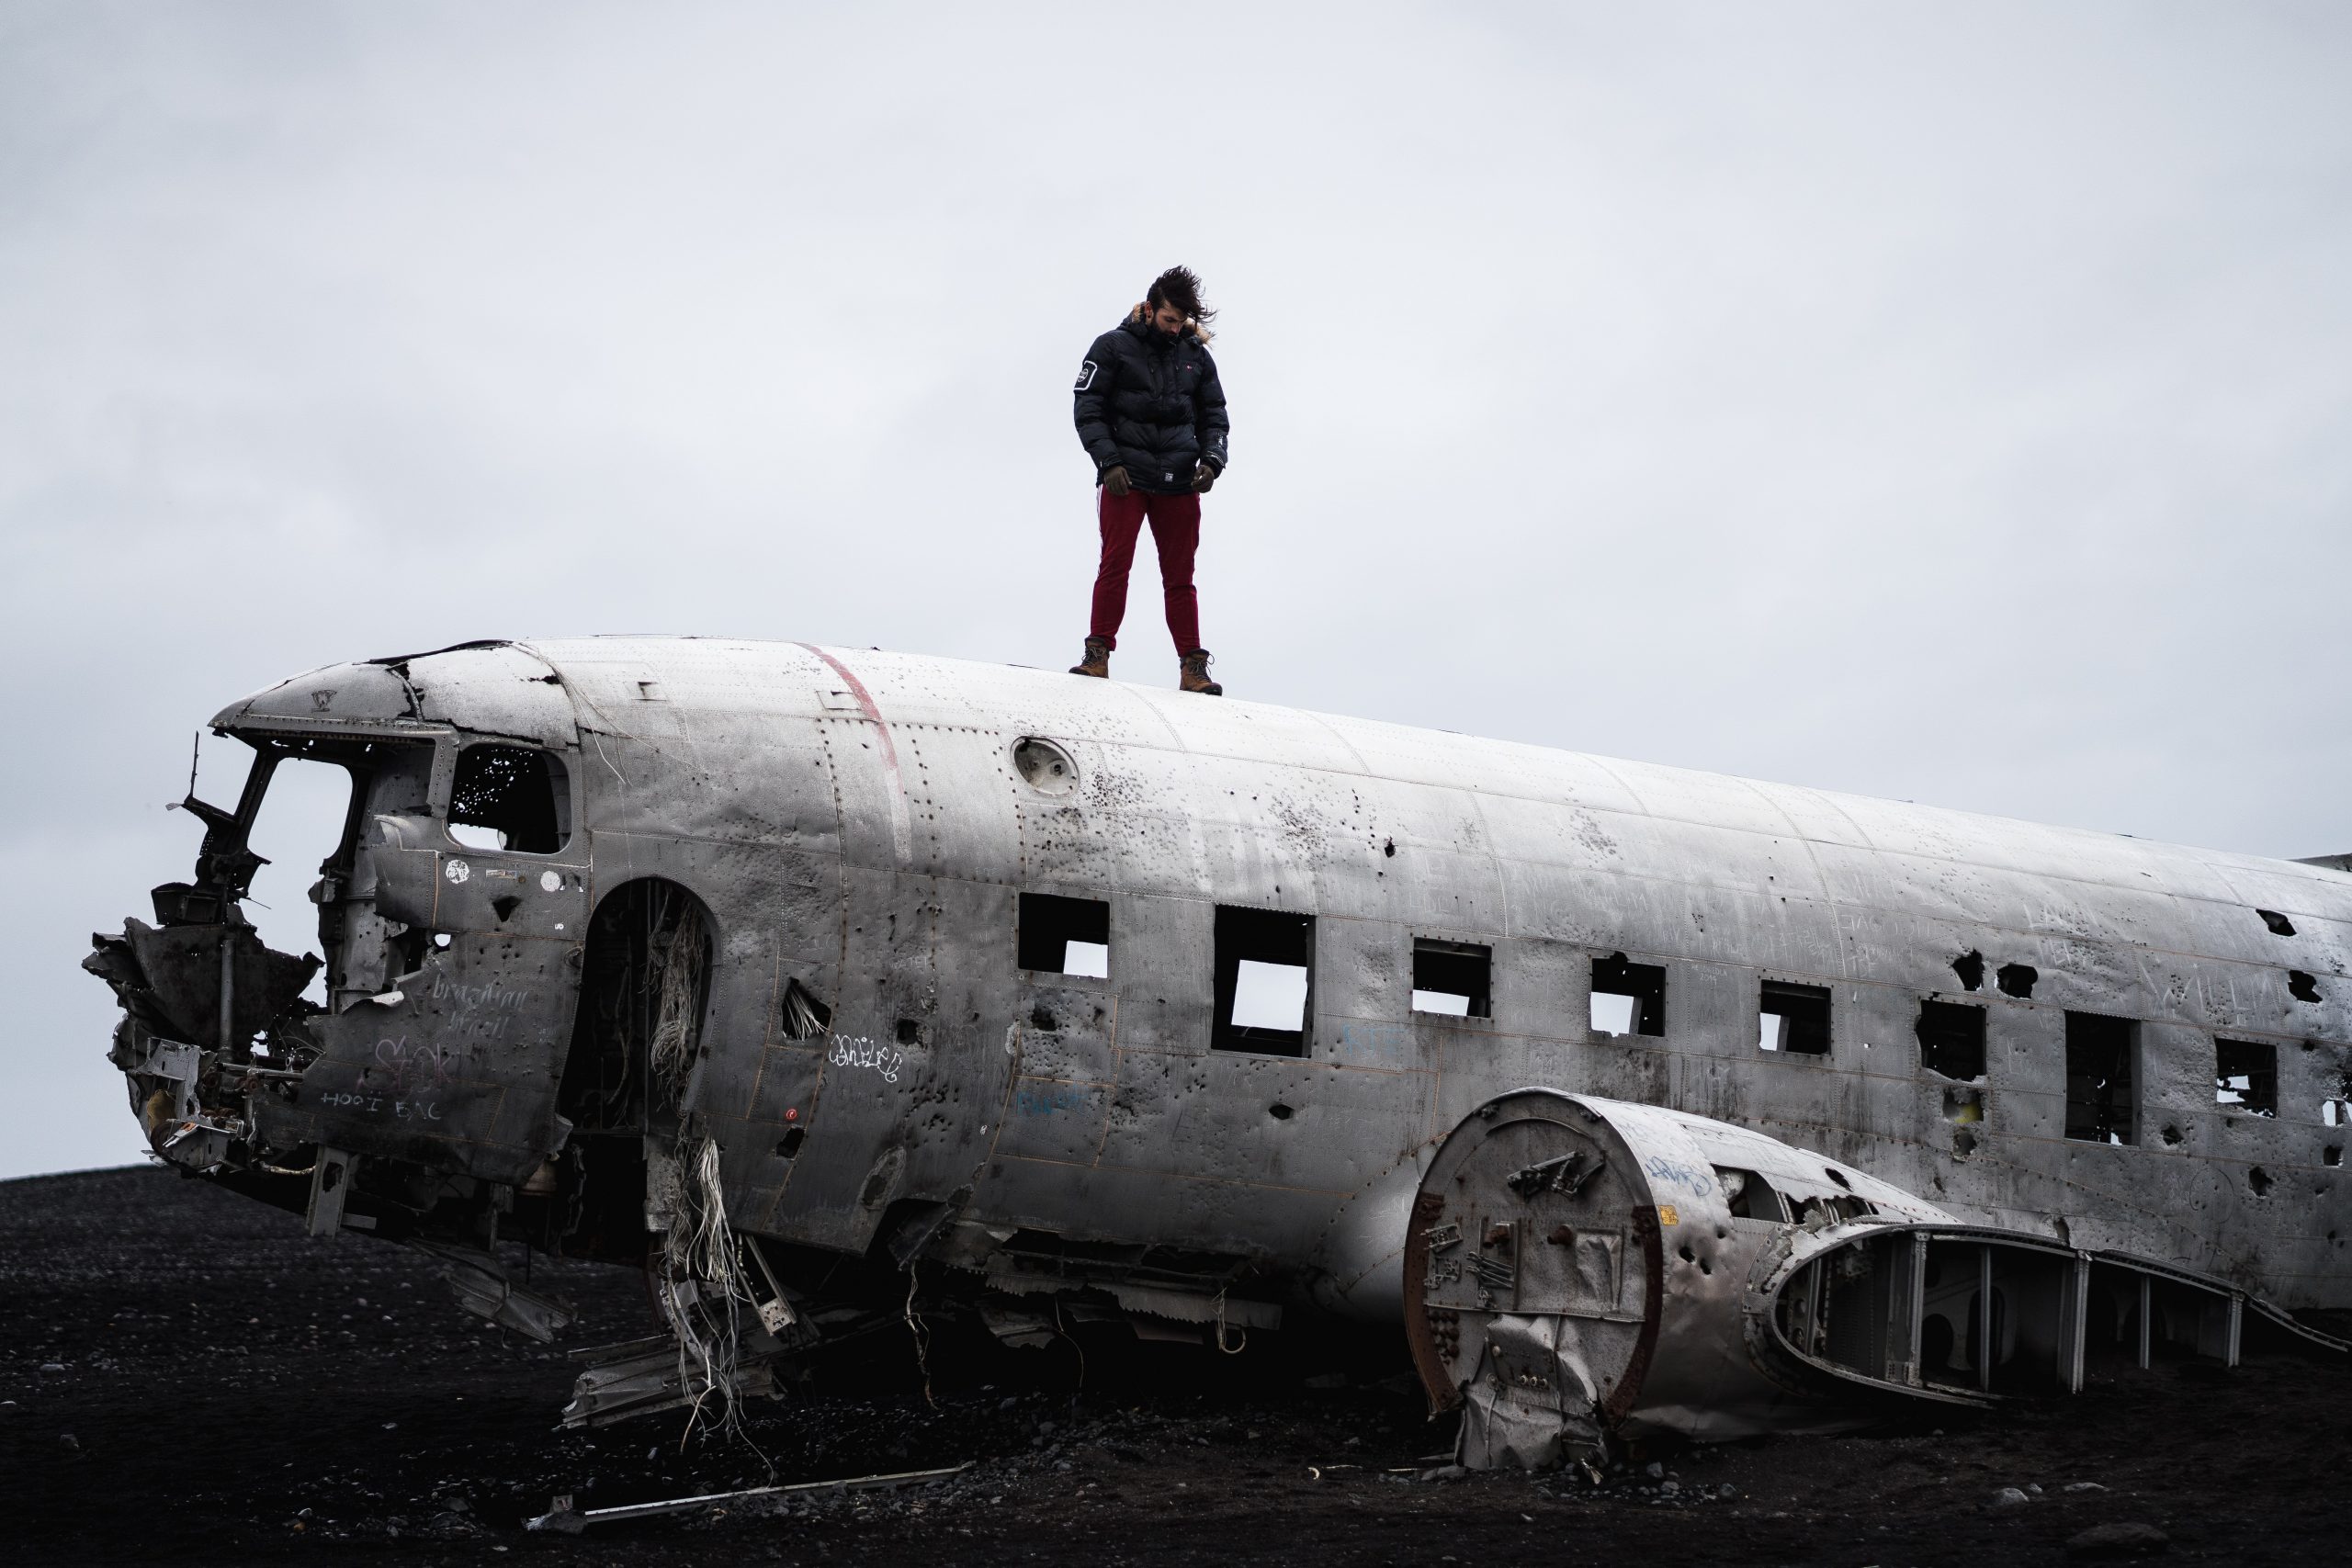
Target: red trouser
(1176,529)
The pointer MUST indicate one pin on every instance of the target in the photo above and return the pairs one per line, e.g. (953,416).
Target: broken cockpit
(402,1077)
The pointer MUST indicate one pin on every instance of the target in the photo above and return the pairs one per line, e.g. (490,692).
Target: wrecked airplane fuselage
(792,973)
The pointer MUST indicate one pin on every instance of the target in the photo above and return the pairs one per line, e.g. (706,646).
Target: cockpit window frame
(564,793)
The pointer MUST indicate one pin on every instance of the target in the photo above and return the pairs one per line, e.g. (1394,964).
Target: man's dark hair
(1179,287)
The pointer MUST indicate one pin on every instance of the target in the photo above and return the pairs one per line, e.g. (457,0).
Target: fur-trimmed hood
(1192,329)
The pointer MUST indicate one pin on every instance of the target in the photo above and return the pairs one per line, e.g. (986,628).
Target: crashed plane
(838,988)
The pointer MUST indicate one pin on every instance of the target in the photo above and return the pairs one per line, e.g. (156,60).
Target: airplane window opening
(1749,1197)
(2332,1154)
(2101,1104)
(1264,975)
(1627,998)
(1065,936)
(304,819)
(1452,979)
(2335,1112)
(506,798)
(1794,1018)
(2245,1076)
(805,1017)
(1951,1040)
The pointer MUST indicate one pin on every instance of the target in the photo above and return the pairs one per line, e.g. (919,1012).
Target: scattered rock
(2009,1497)
(1655,1471)
(52,1366)
(2125,1539)
(2082,1486)
(70,1443)
(1443,1472)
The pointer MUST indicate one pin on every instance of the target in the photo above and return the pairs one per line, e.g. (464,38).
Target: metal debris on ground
(563,1518)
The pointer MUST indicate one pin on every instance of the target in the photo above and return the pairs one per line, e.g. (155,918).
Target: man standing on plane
(1152,416)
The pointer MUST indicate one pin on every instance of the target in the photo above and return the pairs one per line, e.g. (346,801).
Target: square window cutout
(1264,981)
(1452,979)
(1065,936)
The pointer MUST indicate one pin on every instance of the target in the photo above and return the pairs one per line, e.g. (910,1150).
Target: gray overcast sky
(1947,402)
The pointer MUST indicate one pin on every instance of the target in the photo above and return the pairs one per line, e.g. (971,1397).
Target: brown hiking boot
(1197,675)
(1097,662)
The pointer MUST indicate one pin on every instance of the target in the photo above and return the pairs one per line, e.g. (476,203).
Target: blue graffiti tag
(1659,1168)
(1048,1098)
(1376,1042)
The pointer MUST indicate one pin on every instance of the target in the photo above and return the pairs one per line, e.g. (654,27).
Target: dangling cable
(922,1337)
(1229,1349)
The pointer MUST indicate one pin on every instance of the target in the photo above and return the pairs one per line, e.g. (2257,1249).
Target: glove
(1203,477)
(1114,479)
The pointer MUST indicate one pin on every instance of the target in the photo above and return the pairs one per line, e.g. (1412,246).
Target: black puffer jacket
(1152,403)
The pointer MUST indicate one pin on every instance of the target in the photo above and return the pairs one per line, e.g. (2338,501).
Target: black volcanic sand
(191,1381)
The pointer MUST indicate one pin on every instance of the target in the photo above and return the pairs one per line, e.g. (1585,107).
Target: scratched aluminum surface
(854,822)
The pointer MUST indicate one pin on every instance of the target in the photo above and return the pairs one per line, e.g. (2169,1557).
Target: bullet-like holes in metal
(2332,1155)
(910,1032)
(1042,1019)
(2301,986)
(2170,1134)
(505,904)
(2259,1179)
(789,1144)
(1970,967)
(1280,1111)
(2279,924)
(1389,848)
(1965,1108)
(441,940)
(2016,979)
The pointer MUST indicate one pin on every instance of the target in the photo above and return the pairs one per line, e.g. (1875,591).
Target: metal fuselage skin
(858,825)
